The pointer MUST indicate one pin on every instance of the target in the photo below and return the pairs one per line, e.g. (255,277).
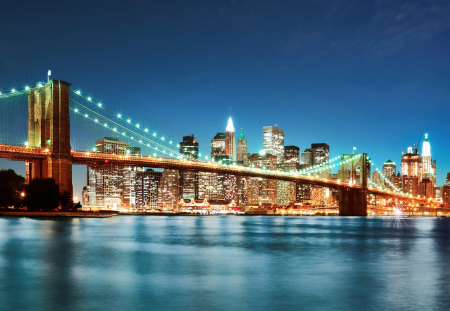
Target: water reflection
(225,263)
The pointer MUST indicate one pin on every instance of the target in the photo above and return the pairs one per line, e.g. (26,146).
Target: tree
(42,195)
(11,188)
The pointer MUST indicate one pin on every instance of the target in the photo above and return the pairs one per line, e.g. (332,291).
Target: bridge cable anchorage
(140,138)
(137,126)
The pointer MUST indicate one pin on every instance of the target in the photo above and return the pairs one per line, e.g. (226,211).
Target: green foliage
(11,185)
(42,195)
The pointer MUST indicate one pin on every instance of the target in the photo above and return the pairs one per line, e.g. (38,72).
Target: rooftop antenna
(49,73)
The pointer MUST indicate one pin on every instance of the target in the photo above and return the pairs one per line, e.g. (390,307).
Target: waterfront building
(242,156)
(147,184)
(292,154)
(426,188)
(286,192)
(189,147)
(112,185)
(169,190)
(210,186)
(303,192)
(409,185)
(230,140)
(273,142)
(446,192)
(428,165)
(262,190)
(188,184)
(218,147)
(389,169)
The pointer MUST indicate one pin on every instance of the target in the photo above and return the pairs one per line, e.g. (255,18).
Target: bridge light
(170,142)
(154,134)
(95,120)
(129,121)
(146,130)
(13,90)
(137,125)
(115,129)
(78,92)
(100,105)
(39,84)
(94,149)
(162,138)
(148,145)
(46,150)
(156,148)
(105,125)
(119,116)
(26,144)
(27,88)
(0,93)
(89,99)
(76,110)
(154,154)
(123,133)
(140,141)
(85,115)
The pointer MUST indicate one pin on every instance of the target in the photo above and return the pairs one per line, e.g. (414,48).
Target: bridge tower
(49,127)
(353,200)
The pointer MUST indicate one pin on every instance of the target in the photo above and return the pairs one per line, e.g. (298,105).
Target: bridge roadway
(22,153)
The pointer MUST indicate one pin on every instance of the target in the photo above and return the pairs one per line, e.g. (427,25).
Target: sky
(369,74)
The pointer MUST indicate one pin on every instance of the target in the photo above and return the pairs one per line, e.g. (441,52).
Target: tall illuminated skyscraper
(426,158)
(242,156)
(273,142)
(389,169)
(230,142)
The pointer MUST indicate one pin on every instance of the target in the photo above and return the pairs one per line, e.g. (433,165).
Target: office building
(320,152)
(389,169)
(218,147)
(273,142)
(242,156)
(147,184)
(230,141)
(189,147)
(292,154)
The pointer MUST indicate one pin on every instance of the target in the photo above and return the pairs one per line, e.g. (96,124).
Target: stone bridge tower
(353,200)
(49,127)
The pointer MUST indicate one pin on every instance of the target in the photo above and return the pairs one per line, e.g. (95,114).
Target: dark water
(225,263)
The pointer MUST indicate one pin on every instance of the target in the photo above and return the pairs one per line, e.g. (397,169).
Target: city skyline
(321,82)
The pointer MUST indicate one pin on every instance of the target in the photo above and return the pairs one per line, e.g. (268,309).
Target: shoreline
(50,215)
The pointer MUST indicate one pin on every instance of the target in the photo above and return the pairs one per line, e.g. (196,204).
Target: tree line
(39,195)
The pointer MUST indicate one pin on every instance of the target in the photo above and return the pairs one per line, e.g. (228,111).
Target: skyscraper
(273,142)
(218,150)
(320,152)
(242,156)
(306,157)
(147,184)
(292,154)
(446,192)
(262,190)
(230,140)
(411,165)
(112,186)
(189,147)
(389,169)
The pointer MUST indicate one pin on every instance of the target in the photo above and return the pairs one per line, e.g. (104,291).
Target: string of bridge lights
(14,91)
(122,130)
(138,126)
(124,134)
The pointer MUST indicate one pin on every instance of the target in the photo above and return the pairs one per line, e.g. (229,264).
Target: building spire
(241,135)
(230,126)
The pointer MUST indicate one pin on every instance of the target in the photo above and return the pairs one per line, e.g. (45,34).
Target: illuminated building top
(230,126)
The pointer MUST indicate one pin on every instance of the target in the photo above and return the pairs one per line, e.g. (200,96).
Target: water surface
(225,263)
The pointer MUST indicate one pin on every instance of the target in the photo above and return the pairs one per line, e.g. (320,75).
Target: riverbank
(56,214)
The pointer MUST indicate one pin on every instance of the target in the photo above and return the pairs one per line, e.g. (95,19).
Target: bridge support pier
(49,127)
(353,202)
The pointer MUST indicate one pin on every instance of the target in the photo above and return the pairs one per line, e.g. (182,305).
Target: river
(225,263)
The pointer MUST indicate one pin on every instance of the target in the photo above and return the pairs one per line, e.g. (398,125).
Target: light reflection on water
(225,263)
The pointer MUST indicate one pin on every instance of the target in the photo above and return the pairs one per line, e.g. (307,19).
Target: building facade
(273,142)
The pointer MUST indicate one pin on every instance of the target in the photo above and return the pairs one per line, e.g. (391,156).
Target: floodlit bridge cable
(124,119)
(163,149)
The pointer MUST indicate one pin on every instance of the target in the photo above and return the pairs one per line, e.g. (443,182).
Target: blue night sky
(369,74)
